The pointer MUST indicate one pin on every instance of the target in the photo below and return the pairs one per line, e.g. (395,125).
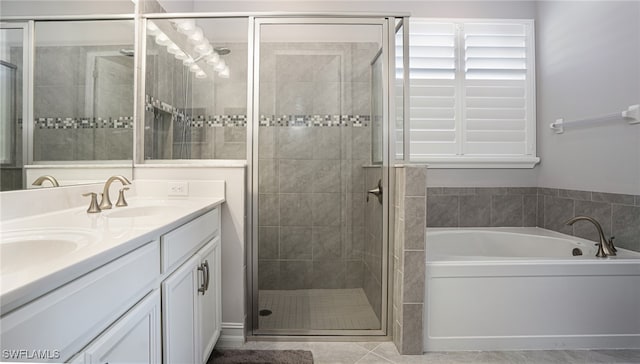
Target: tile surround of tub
(619,214)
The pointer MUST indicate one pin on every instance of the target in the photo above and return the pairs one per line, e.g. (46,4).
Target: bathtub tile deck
(385,353)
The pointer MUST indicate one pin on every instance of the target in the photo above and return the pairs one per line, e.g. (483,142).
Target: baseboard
(232,335)
(551,342)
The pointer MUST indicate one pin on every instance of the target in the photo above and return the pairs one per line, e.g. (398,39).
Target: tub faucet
(605,248)
(40,180)
(105,204)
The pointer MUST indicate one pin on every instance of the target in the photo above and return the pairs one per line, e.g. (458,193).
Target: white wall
(588,65)
(233,234)
(64,7)
(483,9)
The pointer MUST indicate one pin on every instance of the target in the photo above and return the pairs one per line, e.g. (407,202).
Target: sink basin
(142,211)
(21,249)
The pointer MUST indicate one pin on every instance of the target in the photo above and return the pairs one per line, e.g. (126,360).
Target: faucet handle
(121,201)
(611,246)
(93,205)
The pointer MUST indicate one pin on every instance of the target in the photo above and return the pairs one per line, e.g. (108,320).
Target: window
(472,93)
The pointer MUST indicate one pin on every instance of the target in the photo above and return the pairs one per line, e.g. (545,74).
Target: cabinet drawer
(183,242)
(66,319)
(134,338)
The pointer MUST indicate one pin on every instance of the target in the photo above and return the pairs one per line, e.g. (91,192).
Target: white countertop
(109,238)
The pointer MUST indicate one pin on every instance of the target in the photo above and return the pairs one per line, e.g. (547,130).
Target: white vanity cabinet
(159,302)
(191,305)
(57,325)
(134,338)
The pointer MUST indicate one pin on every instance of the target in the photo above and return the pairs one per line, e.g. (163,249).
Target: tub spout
(605,248)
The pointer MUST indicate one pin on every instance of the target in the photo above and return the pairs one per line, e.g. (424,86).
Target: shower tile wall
(64,130)
(314,141)
(216,107)
(618,214)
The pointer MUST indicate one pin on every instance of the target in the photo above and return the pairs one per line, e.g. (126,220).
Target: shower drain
(265,312)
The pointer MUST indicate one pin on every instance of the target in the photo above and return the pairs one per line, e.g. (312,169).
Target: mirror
(11,75)
(82,126)
(83,91)
(196,89)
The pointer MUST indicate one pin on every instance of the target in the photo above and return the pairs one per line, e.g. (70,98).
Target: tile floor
(385,353)
(319,309)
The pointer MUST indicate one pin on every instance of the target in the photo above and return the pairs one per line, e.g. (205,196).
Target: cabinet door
(180,322)
(134,338)
(209,301)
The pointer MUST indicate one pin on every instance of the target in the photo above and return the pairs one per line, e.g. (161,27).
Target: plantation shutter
(432,63)
(472,90)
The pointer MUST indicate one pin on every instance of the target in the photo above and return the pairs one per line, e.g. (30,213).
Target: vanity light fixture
(202,46)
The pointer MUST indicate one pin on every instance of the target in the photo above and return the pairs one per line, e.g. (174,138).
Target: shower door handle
(377,192)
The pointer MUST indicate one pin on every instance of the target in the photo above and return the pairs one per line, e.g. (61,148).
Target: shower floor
(317,309)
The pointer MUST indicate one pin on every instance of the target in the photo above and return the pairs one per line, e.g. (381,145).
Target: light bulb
(201,74)
(220,66)
(162,39)
(213,58)
(173,49)
(181,56)
(224,73)
(188,62)
(194,68)
(152,28)
(203,48)
(186,26)
(196,36)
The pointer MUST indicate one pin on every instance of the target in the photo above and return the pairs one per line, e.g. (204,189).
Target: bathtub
(523,289)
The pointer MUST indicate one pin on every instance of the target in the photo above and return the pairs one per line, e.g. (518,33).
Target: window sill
(478,162)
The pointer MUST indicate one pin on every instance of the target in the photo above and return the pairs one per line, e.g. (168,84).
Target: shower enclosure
(320,175)
(307,101)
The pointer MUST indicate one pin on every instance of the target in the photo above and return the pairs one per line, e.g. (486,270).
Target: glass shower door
(319,233)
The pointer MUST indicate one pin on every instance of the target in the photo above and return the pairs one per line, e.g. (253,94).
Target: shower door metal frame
(27,27)
(387,24)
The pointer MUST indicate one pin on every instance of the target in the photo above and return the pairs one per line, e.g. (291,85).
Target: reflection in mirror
(83,91)
(11,69)
(196,89)
(399,92)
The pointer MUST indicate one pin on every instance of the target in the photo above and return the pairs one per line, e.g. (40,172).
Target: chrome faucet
(41,179)
(605,248)
(105,203)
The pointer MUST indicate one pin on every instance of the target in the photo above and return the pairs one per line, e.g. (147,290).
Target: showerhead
(222,50)
(127,52)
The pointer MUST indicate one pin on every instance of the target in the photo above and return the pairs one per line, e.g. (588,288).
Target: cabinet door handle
(207,276)
(202,288)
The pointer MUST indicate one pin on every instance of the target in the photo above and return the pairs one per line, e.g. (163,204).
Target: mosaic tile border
(199,121)
(315,120)
(122,122)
